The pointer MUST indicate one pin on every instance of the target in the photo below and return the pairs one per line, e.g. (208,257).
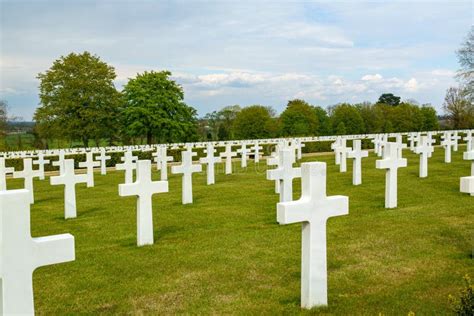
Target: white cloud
(376,77)
(411,85)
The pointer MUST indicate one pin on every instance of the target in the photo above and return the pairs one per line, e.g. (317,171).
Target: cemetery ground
(226,253)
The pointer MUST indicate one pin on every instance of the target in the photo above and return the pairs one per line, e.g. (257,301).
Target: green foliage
(430,119)
(154,107)
(459,110)
(406,117)
(78,99)
(253,122)
(341,129)
(299,119)
(464,304)
(350,116)
(389,99)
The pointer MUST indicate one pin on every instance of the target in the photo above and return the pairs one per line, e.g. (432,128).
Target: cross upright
(284,175)
(210,160)
(357,154)
(400,145)
(164,163)
(274,160)
(256,151)
(455,139)
(469,139)
(187,168)
(41,162)
(69,179)
(343,150)
(228,154)
(20,254)
(89,164)
(244,152)
(3,173)
(157,159)
(447,144)
(28,174)
(335,146)
(102,158)
(424,149)
(299,149)
(144,189)
(128,165)
(60,162)
(313,210)
(391,162)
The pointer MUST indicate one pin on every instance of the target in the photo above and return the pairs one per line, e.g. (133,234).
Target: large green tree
(459,110)
(154,107)
(430,118)
(350,118)
(389,99)
(253,122)
(299,119)
(78,99)
(466,61)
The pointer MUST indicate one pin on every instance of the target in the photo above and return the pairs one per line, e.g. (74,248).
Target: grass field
(226,254)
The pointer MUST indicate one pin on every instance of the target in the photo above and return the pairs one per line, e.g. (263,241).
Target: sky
(243,52)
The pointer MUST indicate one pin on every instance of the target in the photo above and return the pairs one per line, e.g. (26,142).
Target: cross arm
(54,249)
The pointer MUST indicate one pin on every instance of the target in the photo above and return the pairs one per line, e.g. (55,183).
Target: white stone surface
(284,175)
(357,154)
(3,173)
(60,162)
(244,152)
(102,158)
(424,149)
(187,168)
(447,143)
(391,162)
(129,164)
(20,254)
(144,188)
(256,151)
(164,163)
(313,209)
(89,164)
(228,154)
(69,179)
(342,151)
(335,146)
(41,162)
(210,160)
(28,174)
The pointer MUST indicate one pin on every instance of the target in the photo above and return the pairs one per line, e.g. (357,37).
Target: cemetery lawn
(226,254)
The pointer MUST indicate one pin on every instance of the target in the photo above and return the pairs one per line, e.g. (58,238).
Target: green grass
(226,254)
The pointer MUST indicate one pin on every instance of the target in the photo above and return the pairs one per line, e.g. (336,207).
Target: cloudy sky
(243,52)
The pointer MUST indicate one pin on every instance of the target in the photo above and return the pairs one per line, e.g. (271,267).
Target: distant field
(226,254)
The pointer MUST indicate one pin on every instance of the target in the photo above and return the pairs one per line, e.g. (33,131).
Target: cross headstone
(274,160)
(469,140)
(244,152)
(400,145)
(391,162)
(60,162)
(284,175)
(357,154)
(335,146)
(20,254)
(342,151)
(455,139)
(187,168)
(447,144)
(41,162)
(228,154)
(210,160)
(256,151)
(313,209)
(299,149)
(164,163)
(69,179)
(89,164)
(3,173)
(424,149)
(28,174)
(128,165)
(102,158)
(144,189)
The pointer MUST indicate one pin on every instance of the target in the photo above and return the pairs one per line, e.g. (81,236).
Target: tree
(389,99)
(466,61)
(459,110)
(253,122)
(341,129)
(350,116)
(406,117)
(324,125)
(372,116)
(226,117)
(78,99)
(299,119)
(3,122)
(430,119)
(154,107)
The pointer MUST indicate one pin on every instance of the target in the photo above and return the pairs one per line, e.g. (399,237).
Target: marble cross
(157,159)
(228,154)
(89,164)
(244,152)
(3,173)
(335,146)
(424,149)
(60,162)
(210,160)
(400,145)
(28,174)
(342,151)
(128,165)
(284,175)
(447,144)
(41,162)
(69,179)
(102,158)
(144,188)
(469,140)
(274,160)
(455,139)
(313,209)
(357,154)
(20,254)
(164,163)
(299,149)
(187,168)
(391,162)
(256,151)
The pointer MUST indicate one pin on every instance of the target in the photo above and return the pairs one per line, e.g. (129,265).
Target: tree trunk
(148,138)
(85,140)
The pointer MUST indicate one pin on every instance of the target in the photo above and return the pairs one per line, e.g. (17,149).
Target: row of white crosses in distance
(313,210)
(210,160)
(20,254)
(128,165)
(424,149)
(284,174)
(144,189)
(187,168)
(4,170)
(467,183)
(162,159)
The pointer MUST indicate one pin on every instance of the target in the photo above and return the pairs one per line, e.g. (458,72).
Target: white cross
(357,154)
(447,144)
(313,209)
(128,165)
(284,175)
(391,162)
(335,146)
(455,139)
(210,160)
(274,160)
(164,163)
(157,159)
(299,149)
(244,152)
(102,158)
(228,154)
(3,173)
(256,151)
(69,179)
(400,145)
(144,188)
(60,162)
(342,151)
(424,149)
(469,140)
(20,254)
(89,164)
(187,169)
(41,162)
(28,174)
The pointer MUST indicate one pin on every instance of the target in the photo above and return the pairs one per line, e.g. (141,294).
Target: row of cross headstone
(21,254)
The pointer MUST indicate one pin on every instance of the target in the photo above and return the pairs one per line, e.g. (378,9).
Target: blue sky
(243,52)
